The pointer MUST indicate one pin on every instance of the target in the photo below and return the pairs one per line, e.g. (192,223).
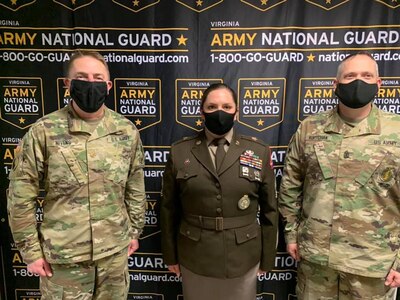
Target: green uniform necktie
(220,153)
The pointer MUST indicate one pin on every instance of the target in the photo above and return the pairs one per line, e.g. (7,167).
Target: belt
(220,223)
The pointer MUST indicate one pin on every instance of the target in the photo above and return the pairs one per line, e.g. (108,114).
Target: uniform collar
(77,124)
(210,137)
(370,125)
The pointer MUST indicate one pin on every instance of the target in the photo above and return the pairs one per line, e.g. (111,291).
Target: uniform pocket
(191,232)
(186,174)
(64,170)
(50,290)
(247,233)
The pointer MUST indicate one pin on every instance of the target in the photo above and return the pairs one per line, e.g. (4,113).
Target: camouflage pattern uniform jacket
(340,195)
(209,218)
(93,184)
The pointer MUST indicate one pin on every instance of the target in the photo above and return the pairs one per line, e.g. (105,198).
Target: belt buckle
(219,223)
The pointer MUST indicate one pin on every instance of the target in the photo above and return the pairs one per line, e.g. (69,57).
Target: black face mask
(89,96)
(219,122)
(357,93)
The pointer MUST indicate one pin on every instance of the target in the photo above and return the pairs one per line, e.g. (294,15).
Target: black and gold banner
(279,55)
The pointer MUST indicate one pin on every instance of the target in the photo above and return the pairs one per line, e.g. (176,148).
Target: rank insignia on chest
(244,202)
(386,175)
(248,158)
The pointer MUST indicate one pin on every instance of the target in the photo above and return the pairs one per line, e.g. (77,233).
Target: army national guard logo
(388,96)
(261,102)
(390,3)
(21,100)
(14,5)
(136,5)
(263,5)
(74,4)
(188,93)
(315,95)
(199,5)
(139,99)
(327,4)
(151,222)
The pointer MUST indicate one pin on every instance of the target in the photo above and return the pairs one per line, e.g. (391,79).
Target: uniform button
(219,210)
(186,175)
(248,235)
(188,232)
(219,197)
(217,184)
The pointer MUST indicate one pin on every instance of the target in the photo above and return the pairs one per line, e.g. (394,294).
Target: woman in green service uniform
(213,187)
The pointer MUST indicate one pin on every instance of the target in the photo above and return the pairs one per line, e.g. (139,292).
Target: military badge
(244,202)
(187,161)
(245,171)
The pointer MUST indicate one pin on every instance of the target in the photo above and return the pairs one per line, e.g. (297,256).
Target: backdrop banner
(280,56)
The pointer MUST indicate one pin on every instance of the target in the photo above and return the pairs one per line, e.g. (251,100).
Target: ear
(335,82)
(235,118)
(109,85)
(67,82)
(379,82)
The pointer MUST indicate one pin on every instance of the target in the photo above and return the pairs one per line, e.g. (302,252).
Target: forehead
(220,95)
(358,64)
(88,64)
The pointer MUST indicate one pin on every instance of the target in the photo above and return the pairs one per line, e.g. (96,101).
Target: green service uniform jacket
(208,219)
(340,192)
(94,199)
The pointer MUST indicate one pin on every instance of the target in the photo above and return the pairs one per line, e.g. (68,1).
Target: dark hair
(218,86)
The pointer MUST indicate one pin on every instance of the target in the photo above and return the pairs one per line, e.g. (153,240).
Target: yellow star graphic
(199,122)
(21,120)
(328,1)
(14,2)
(138,122)
(311,57)
(73,2)
(199,3)
(263,2)
(182,40)
(135,3)
(260,122)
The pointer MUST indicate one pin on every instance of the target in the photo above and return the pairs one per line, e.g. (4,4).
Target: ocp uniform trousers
(103,279)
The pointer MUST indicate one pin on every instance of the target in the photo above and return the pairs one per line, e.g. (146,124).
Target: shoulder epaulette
(184,139)
(253,139)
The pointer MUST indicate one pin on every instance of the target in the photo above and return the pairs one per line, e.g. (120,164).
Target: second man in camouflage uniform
(340,194)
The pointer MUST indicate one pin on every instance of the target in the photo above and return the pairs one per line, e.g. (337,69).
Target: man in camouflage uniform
(340,193)
(89,161)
